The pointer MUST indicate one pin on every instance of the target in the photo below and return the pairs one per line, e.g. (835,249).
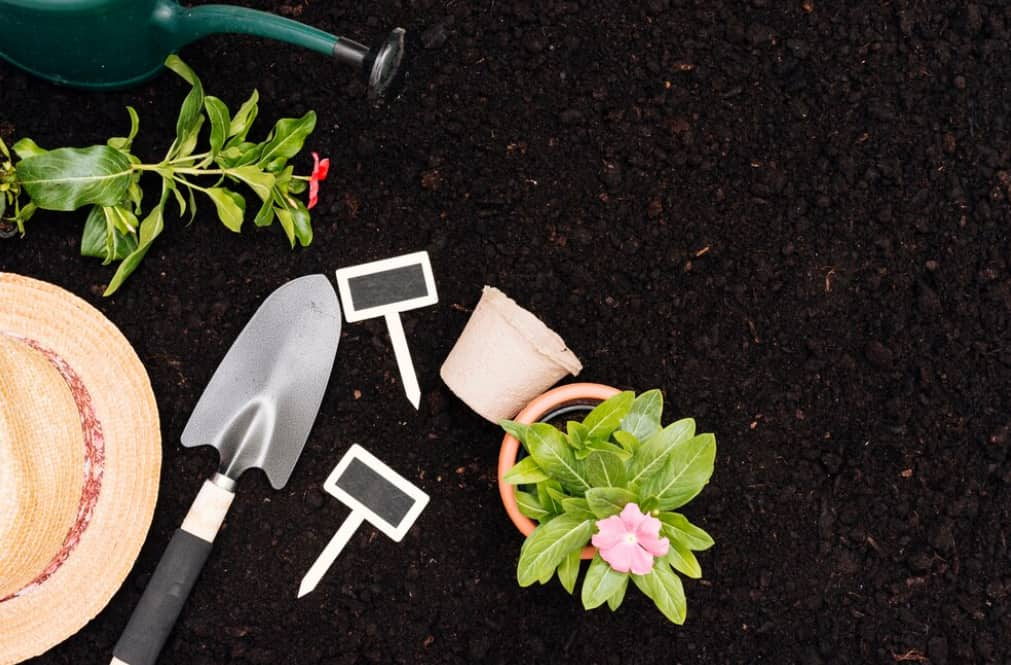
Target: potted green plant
(607,489)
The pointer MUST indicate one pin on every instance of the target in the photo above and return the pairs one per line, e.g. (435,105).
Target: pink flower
(629,541)
(320,167)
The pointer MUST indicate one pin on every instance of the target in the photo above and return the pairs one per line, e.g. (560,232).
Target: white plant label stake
(386,288)
(374,492)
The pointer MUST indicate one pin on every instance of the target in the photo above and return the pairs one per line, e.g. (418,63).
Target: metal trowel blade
(262,401)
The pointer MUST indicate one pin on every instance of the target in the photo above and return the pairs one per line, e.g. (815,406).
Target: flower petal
(641,561)
(621,556)
(612,530)
(655,546)
(323,169)
(313,193)
(649,527)
(631,516)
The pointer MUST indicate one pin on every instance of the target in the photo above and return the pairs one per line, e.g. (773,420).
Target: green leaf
(287,223)
(601,583)
(191,113)
(150,229)
(607,501)
(231,207)
(614,602)
(135,194)
(546,493)
(243,119)
(93,237)
(605,469)
(265,217)
(121,219)
(687,469)
(191,203)
(186,147)
(607,415)
(286,139)
(577,433)
(599,446)
(68,178)
(648,505)
(548,447)
(103,240)
(664,588)
(530,506)
(526,472)
(518,430)
(548,545)
(650,457)
(303,224)
(681,557)
(686,533)
(239,154)
(643,419)
(557,494)
(568,571)
(3,150)
(627,441)
(261,183)
(578,508)
(180,199)
(26,148)
(125,142)
(218,113)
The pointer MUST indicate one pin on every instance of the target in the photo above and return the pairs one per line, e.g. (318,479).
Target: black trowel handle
(164,596)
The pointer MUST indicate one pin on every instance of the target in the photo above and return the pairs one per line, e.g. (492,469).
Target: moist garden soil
(791,216)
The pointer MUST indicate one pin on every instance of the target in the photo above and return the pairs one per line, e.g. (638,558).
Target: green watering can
(103,44)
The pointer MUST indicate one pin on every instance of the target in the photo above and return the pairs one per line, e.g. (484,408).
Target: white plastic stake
(404,363)
(330,552)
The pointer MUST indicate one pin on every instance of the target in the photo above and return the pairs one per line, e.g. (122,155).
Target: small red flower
(320,168)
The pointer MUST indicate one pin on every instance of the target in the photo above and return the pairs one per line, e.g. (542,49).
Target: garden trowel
(257,411)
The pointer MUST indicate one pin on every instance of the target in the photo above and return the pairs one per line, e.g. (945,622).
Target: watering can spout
(106,44)
(183,25)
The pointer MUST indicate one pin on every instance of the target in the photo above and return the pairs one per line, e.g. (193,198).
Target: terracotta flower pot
(551,402)
(504,357)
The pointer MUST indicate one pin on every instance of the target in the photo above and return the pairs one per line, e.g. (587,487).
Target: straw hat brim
(46,613)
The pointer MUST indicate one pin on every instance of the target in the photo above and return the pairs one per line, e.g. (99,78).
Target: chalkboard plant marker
(386,288)
(613,480)
(375,493)
(505,357)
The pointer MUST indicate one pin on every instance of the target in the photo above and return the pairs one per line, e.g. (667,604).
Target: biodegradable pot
(504,358)
(553,403)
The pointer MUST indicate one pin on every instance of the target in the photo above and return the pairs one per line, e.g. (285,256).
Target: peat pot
(505,357)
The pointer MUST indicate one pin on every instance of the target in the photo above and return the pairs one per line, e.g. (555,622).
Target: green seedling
(108,178)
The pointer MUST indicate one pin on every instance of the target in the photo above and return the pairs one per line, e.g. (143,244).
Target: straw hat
(80,452)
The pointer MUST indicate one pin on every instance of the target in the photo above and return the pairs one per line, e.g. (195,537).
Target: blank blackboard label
(386,499)
(362,482)
(374,492)
(389,286)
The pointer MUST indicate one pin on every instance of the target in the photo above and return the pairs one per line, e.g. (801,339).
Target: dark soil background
(791,216)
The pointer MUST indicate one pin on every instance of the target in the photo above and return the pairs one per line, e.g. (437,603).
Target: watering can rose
(107,178)
(614,480)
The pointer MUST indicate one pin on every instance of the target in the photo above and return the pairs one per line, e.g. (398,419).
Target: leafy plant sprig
(609,479)
(108,178)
